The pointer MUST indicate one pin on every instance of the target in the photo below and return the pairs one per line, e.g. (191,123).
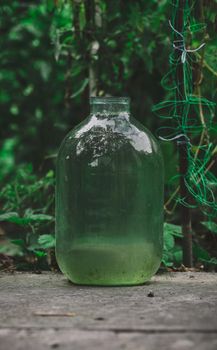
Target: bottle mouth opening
(109,100)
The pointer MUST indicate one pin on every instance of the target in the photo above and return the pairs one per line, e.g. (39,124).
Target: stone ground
(175,311)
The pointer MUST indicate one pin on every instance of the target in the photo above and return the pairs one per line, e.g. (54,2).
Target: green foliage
(28,212)
(203,256)
(210,225)
(28,218)
(12,249)
(44,81)
(128,43)
(25,193)
(47,241)
(28,73)
(172,253)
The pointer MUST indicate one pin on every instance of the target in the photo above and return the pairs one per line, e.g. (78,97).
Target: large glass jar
(109,198)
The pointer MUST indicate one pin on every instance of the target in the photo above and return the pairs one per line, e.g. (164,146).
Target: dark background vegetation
(53,55)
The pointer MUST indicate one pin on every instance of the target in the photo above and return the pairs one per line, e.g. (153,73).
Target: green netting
(188,116)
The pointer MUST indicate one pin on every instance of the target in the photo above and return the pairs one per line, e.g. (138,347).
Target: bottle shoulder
(70,137)
(111,133)
(145,132)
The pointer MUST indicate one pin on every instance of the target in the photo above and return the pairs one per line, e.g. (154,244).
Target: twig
(172,196)
(54,314)
(205,64)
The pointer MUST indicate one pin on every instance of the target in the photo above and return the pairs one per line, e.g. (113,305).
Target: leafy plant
(210,225)
(47,241)
(28,213)
(203,256)
(172,252)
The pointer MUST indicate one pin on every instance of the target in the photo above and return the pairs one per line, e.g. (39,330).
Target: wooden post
(94,21)
(183,145)
(185,211)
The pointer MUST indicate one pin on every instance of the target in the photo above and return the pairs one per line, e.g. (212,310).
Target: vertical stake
(185,211)
(183,145)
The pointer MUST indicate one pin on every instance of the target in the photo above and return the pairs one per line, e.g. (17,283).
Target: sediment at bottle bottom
(109,264)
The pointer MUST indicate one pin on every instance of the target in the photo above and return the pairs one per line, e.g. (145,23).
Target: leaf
(47,241)
(169,241)
(174,230)
(11,249)
(212,261)
(178,254)
(44,68)
(39,217)
(39,253)
(166,259)
(50,174)
(210,225)
(20,221)
(112,44)
(27,219)
(9,216)
(200,253)
(19,242)
(172,253)
(167,263)
(171,231)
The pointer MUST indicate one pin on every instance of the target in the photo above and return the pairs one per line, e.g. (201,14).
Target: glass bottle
(109,198)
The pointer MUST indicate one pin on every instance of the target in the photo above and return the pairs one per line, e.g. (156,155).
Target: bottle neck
(109,105)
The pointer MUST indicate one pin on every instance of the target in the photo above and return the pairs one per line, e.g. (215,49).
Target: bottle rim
(108,100)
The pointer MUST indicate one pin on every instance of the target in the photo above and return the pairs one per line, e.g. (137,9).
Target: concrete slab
(46,311)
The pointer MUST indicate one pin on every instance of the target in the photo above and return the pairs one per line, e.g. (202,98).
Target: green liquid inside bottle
(104,263)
